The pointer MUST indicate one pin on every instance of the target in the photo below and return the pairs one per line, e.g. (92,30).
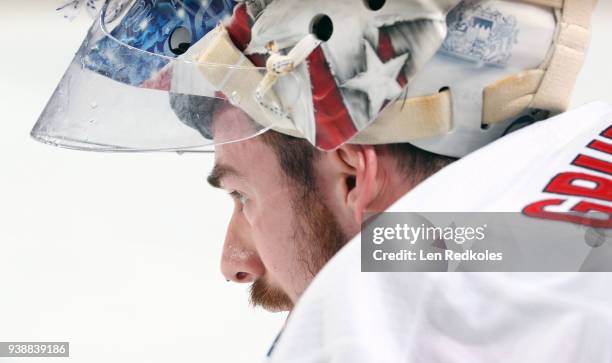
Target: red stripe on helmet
(386,53)
(239,27)
(333,122)
(239,30)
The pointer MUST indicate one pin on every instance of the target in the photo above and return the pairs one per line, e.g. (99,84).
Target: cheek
(273,234)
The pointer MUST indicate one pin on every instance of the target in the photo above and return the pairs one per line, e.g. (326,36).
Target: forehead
(242,155)
(251,158)
(230,123)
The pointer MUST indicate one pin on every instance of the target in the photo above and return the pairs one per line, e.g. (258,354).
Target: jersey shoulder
(552,170)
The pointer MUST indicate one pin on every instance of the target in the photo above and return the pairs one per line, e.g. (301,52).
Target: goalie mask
(446,75)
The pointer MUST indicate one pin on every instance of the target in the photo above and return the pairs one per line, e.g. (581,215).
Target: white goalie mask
(448,76)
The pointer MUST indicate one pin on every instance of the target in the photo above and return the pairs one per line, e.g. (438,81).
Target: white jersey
(552,171)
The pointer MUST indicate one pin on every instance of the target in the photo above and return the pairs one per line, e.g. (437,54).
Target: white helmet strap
(550,86)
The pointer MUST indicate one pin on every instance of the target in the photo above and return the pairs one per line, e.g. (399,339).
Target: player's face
(278,237)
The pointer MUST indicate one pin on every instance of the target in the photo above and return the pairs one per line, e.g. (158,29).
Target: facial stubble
(317,236)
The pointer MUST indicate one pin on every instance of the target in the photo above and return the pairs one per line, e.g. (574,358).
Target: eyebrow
(219,172)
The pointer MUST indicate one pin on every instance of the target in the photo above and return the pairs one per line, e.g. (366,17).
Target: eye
(179,40)
(240,198)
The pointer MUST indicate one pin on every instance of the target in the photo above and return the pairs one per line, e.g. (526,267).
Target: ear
(359,166)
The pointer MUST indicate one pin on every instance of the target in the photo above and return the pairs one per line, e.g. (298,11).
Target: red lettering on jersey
(588,162)
(565,183)
(600,146)
(586,207)
(538,210)
(568,184)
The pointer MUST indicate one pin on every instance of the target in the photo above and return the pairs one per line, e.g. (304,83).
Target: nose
(239,260)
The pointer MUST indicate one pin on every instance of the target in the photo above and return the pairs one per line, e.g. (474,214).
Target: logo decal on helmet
(481,34)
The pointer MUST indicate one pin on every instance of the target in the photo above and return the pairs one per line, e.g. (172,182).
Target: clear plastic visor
(120,94)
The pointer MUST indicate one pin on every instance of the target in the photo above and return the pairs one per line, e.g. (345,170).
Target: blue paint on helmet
(148,26)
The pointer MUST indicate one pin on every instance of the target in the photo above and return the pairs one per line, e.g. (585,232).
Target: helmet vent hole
(374,5)
(322,27)
(179,40)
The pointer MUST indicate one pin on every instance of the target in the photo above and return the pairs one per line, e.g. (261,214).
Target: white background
(119,254)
